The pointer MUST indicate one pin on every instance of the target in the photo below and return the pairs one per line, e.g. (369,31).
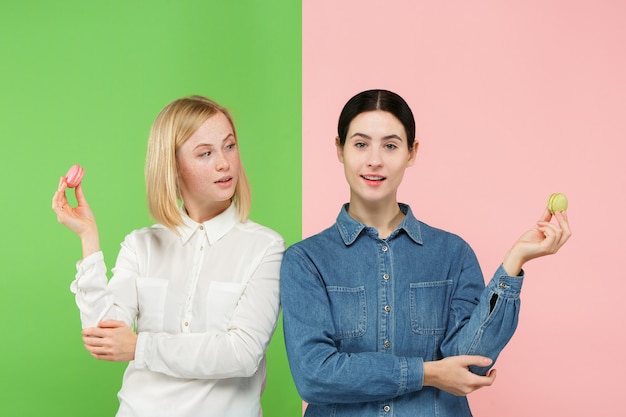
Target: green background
(81,83)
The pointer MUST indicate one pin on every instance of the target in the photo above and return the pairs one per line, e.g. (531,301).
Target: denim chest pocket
(348,308)
(429,304)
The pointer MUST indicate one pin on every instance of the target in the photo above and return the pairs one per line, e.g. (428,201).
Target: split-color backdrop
(81,83)
(514,100)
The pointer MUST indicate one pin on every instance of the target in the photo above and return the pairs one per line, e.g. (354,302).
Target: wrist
(90,241)
(512,263)
(430,374)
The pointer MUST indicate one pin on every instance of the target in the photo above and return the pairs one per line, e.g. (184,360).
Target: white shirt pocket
(151,293)
(222,300)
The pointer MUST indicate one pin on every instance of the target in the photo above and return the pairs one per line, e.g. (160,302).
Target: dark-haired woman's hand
(545,238)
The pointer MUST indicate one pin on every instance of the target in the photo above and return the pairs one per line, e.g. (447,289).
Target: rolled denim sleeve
(322,373)
(483,319)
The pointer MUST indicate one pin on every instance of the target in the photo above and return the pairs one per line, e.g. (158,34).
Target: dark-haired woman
(384,314)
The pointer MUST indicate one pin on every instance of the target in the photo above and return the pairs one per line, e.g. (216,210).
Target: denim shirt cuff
(507,285)
(415,377)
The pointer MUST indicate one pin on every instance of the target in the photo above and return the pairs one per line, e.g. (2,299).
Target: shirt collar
(214,229)
(350,229)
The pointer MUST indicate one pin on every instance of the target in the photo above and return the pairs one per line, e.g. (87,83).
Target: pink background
(513,101)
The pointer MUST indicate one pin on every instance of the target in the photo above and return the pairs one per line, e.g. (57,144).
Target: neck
(383,217)
(203,214)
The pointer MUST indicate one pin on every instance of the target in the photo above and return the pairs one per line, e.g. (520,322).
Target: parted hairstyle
(371,100)
(171,128)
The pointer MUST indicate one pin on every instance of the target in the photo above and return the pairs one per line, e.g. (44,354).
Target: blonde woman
(201,287)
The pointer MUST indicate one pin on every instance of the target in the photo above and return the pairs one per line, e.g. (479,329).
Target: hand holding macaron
(545,238)
(79,219)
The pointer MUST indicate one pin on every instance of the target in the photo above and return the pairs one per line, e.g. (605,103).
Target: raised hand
(79,219)
(545,238)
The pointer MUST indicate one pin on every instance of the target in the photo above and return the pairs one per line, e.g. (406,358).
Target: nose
(374,158)
(221,163)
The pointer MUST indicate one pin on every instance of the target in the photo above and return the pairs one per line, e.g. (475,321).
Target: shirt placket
(385,310)
(384,303)
(200,245)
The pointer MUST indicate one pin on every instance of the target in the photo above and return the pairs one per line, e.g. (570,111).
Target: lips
(373,177)
(224,181)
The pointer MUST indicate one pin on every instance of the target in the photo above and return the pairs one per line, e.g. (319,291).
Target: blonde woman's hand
(79,219)
(111,341)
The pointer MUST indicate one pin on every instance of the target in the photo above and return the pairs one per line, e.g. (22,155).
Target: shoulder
(436,232)
(148,231)
(255,231)
(317,244)
(441,240)
(148,234)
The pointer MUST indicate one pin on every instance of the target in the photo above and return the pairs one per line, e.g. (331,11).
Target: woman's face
(208,168)
(375,156)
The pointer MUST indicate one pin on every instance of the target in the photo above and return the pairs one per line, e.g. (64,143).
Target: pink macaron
(74,176)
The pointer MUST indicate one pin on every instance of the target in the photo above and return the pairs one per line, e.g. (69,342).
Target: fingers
(59,199)
(99,343)
(110,324)
(475,360)
(561,217)
(556,234)
(112,340)
(80,196)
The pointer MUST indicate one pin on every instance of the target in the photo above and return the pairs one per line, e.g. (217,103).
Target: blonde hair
(172,127)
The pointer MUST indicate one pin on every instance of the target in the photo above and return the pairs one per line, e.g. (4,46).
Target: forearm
(200,355)
(485,328)
(96,299)
(90,241)
(355,377)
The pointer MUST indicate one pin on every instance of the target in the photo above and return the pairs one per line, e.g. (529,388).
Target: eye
(360,144)
(207,153)
(390,146)
(231,146)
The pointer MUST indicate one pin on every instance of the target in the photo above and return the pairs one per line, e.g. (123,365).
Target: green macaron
(557,202)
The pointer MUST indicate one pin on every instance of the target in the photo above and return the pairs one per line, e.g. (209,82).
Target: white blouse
(205,305)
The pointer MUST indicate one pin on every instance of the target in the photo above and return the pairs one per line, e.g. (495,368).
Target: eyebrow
(364,136)
(210,145)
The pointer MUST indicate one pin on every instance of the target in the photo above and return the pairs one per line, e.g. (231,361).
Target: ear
(413,153)
(339,149)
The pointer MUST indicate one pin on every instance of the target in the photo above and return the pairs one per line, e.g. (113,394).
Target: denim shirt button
(387,343)
(503,285)
(384,248)
(385,277)
(387,309)
(386,409)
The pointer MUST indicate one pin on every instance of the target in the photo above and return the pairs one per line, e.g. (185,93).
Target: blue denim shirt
(362,314)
